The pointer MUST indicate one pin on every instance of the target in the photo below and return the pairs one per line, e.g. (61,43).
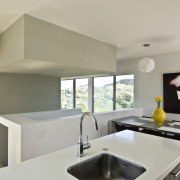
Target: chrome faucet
(82,146)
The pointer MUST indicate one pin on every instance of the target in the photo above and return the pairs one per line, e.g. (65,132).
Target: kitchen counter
(158,155)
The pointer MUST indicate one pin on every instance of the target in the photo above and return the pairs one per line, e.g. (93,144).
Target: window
(82,94)
(124,91)
(67,94)
(103,94)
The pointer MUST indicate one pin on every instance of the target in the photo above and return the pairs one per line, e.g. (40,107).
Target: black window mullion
(74,93)
(60,94)
(92,94)
(114,92)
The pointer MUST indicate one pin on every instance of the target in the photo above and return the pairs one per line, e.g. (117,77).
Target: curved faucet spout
(81,145)
(92,117)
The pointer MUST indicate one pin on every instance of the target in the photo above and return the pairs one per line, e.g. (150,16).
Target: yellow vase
(159,116)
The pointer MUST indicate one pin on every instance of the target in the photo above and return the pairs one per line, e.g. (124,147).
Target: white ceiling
(126,24)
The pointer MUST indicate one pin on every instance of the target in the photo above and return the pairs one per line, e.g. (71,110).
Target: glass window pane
(82,94)
(67,94)
(124,91)
(103,94)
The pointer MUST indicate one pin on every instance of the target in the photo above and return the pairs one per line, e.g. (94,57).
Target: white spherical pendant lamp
(146,64)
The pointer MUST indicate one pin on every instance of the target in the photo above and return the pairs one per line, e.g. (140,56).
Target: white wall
(36,46)
(12,44)
(56,44)
(149,85)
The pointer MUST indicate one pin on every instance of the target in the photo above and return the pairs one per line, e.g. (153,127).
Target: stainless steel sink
(106,167)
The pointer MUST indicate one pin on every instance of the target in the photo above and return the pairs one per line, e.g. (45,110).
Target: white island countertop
(158,155)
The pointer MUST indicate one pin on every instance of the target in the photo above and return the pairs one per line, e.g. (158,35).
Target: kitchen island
(158,155)
(37,133)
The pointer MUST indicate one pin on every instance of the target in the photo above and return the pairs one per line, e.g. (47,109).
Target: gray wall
(28,93)
(25,93)
(3,145)
(149,85)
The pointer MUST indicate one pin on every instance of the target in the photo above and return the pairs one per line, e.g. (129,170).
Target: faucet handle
(87,144)
(80,148)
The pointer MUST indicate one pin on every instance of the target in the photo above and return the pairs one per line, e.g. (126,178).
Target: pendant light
(146,64)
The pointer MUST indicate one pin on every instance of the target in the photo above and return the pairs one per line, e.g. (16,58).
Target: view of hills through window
(82,94)
(67,94)
(103,93)
(124,91)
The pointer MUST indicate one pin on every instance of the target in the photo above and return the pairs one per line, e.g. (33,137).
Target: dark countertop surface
(148,123)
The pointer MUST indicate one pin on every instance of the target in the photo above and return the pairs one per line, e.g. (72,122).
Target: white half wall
(45,137)
(13,139)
